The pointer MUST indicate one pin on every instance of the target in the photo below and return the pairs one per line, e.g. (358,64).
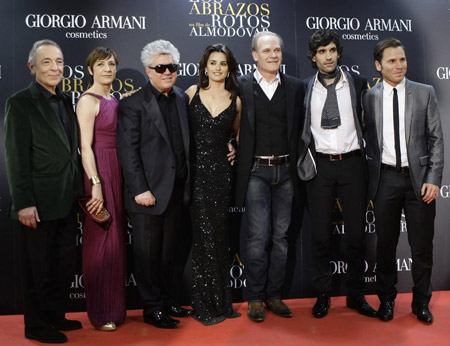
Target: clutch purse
(102,218)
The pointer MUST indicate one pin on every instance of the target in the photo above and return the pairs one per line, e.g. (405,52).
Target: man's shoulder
(21,95)
(309,80)
(179,92)
(417,85)
(245,77)
(375,91)
(292,79)
(136,99)
(356,76)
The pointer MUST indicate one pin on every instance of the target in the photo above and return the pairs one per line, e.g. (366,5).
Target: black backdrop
(191,25)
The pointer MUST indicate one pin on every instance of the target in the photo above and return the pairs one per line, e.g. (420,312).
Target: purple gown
(104,251)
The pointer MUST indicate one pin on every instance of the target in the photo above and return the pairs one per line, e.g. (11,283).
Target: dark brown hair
(386,43)
(231,83)
(99,53)
(322,38)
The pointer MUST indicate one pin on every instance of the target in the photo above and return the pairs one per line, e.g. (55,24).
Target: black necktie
(398,158)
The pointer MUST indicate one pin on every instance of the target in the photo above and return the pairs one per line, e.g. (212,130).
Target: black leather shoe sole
(367,311)
(422,316)
(46,335)
(385,318)
(320,309)
(179,311)
(162,324)
(68,325)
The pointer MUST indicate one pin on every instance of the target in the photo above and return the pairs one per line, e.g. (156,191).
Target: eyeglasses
(162,68)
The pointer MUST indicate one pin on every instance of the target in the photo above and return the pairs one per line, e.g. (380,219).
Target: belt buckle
(404,170)
(272,162)
(338,159)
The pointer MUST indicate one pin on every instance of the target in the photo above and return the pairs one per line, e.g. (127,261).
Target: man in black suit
(266,174)
(405,157)
(41,142)
(153,148)
(332,157)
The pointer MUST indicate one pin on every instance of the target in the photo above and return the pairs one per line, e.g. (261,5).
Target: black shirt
(168,106)
(57,103)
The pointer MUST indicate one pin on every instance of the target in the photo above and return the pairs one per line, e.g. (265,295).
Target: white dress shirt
(269,88)
(388,154)
(342,139)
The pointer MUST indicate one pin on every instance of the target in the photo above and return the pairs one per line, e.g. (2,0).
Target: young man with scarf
(332,157)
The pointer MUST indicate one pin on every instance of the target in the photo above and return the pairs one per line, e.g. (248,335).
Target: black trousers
(395,192)
(155,244)
(48,264)
(349,178)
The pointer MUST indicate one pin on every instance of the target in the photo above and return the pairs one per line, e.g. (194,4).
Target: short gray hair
(158,47)
(36,45)
(259,34)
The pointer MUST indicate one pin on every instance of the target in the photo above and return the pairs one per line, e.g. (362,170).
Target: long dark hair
(231,83)
(99,53)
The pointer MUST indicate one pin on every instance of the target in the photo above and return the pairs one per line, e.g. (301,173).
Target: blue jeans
(268,207)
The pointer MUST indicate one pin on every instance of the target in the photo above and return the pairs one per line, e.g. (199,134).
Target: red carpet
(342,326)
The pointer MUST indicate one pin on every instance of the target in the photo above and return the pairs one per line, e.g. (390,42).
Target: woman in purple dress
(103,250)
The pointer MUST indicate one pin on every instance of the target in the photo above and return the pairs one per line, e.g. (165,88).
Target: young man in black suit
(405,156)
(332,157)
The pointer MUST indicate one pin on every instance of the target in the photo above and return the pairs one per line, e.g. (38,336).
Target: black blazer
(42,165)
(294,96)
(145,149)
(306,165)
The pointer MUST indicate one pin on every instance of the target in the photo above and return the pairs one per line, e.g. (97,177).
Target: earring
(206,74)
(228,75)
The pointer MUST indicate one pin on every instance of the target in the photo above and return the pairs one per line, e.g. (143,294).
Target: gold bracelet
(94,180)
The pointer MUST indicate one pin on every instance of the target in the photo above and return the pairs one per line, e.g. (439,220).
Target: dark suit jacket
(42,166)
(294,96)
(424,140)
(307,156)
(145,149)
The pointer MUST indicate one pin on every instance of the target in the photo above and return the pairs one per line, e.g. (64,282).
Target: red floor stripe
(342,326)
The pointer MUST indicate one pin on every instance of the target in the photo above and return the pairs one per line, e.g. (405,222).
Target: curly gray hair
(158,47)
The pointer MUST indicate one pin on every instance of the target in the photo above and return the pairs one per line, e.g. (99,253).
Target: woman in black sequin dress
(214,118)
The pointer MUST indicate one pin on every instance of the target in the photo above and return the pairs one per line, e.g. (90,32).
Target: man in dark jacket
(332,156)
(41,141)
(266,174)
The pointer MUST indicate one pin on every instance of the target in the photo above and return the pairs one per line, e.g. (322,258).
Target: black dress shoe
(322,306)
(178,311)
(423,312)
(46,335)
(256,311)
(360,304)
(278,307)
(65,324)
(161,320)
(386,311)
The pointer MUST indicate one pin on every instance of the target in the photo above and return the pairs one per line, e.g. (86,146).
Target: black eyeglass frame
(162,68)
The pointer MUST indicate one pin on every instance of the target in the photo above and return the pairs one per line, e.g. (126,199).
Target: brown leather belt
(271,160)
(339,157)
(403,170)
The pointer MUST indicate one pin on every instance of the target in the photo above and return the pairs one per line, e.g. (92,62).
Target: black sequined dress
(211,198)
